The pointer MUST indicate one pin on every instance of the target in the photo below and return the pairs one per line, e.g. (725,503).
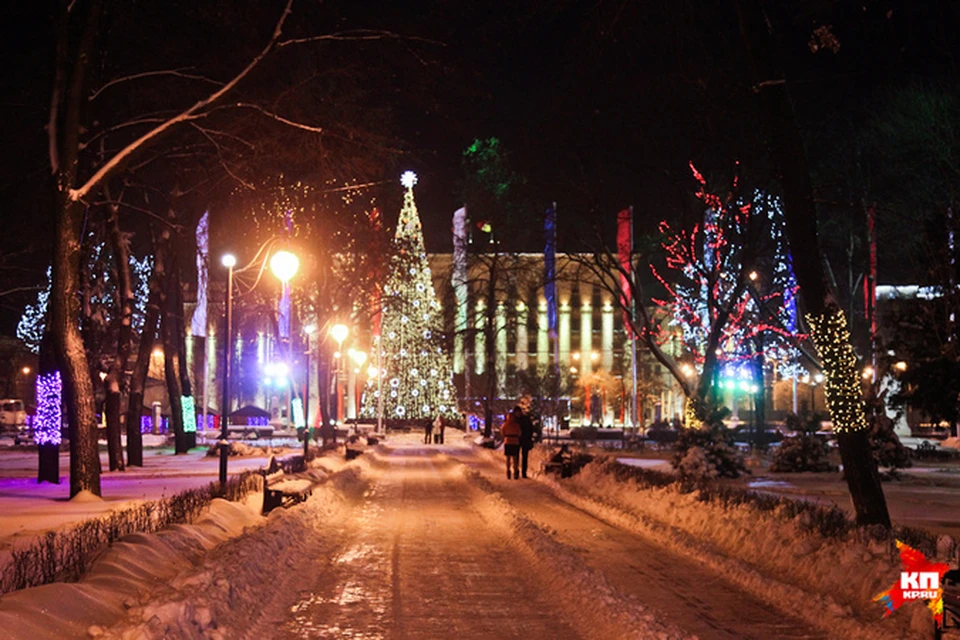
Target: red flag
(625,254)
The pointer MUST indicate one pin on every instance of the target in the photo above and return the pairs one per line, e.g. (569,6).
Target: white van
(13,415)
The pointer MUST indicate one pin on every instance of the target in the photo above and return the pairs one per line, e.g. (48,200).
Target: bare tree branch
(357,34)
(189,114)
(146,74)
(279,118)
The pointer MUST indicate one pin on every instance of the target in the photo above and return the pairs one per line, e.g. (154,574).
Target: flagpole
(635,409)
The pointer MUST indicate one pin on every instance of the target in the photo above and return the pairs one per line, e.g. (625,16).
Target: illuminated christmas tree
(417,373)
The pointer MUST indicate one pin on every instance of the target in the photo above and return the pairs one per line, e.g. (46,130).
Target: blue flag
(550,268)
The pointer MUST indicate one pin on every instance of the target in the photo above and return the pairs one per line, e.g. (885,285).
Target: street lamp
(339,333)
(310,330)
(284,266)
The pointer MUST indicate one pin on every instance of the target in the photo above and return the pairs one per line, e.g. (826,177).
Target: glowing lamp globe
(358,356)
(229,260)
(284,265)
(339,332)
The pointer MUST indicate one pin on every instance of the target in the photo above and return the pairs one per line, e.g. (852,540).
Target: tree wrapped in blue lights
(417,373)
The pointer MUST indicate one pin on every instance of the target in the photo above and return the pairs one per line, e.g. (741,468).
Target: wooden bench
(281,490)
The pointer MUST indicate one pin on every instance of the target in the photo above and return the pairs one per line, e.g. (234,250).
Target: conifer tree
(417,373)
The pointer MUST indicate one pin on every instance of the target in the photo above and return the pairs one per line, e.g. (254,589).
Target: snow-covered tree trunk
(183,373)
(171,355)
(64,136)
(114,381)
(148,337)
(827,321)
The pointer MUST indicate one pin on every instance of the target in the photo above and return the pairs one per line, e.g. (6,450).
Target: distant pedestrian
(526,440)
(439,427)
(510,430)
(427,432)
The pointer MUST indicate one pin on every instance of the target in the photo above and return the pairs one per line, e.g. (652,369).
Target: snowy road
(422,564)
(422,561)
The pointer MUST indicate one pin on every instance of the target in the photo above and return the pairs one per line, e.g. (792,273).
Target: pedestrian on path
(526,439)
(427,431)
(438,427)
(510,430)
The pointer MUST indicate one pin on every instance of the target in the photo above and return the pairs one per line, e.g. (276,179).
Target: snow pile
(191,581)
(236,589)
(131,567)
(829,582)
(597,609)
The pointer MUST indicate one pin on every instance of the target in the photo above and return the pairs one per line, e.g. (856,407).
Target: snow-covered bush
(707,453)
(804,452)
(887,450)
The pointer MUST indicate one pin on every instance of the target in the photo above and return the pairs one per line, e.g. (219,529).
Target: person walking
(438,427)
(510,430)
(427,432)
(526,440)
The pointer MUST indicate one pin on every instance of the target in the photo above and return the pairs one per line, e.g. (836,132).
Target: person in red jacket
(510,430)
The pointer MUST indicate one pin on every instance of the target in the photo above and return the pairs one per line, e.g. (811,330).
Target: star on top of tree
(408,179)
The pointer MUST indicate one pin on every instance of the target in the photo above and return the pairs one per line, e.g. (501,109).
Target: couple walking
(517,432)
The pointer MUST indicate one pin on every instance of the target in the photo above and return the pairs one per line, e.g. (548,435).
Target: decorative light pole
(284,266)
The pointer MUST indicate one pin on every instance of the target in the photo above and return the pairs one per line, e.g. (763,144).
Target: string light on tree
(412,325)
(842,381)
(47,422)
(711,275)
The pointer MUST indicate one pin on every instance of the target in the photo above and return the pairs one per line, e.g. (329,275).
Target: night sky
(598,104)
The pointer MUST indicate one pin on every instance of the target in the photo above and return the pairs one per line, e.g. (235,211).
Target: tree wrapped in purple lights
(49,418)
(47,422)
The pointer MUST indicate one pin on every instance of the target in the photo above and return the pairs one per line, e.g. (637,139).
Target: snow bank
(128,570)
(597,609)
(203,580)
(828,582)
(236,590)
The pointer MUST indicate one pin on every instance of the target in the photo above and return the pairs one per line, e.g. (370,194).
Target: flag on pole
(283,308)
(198,323)
(625,255)
(460,285)
(377,224)
(550,268)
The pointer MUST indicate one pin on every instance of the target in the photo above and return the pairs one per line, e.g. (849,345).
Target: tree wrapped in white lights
(417,373)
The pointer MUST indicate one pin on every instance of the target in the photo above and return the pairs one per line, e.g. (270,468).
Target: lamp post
(339,333)
(284,265)
(229,261)
(309,330)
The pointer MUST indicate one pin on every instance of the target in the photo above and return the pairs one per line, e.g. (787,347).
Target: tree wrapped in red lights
(730,288)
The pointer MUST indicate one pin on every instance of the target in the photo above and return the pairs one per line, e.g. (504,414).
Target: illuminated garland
(690,419)
(189,412)
(842,382)
(47,423)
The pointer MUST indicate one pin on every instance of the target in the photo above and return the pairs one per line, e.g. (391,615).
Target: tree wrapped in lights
(417,373)
(732,293)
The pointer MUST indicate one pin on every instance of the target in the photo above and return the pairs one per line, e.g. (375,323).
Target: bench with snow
(282,490)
